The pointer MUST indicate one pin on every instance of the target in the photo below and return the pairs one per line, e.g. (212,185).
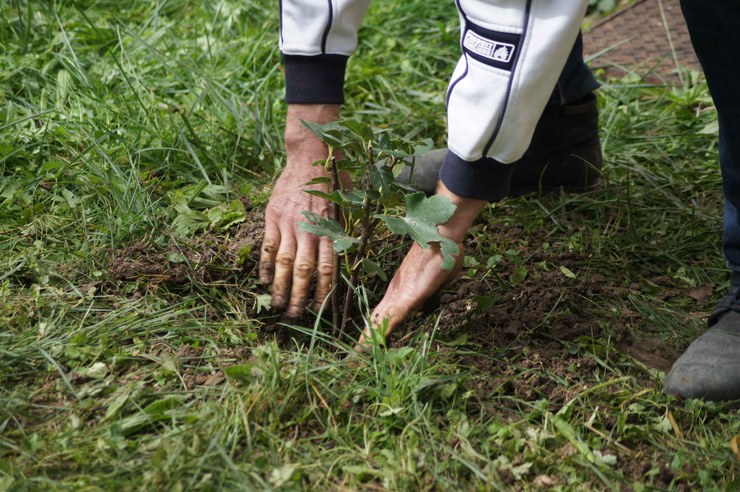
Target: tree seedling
(355,148)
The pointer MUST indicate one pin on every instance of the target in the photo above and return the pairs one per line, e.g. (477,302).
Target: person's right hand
(289,257)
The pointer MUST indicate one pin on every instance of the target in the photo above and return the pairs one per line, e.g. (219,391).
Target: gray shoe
(425,172)
(710,367)
(565,153)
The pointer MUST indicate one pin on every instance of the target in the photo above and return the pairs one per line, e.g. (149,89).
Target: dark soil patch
(554,314)
(227,263)
(204,259)
(544,336)
(548,312)
(547,335)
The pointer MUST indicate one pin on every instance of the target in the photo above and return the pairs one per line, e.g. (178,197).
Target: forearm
(298,138)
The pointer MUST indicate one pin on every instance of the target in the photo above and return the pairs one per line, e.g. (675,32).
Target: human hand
(289,257)
(420,275)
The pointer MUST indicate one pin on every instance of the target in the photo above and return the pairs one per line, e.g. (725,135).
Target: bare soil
(539,315)
(529,337)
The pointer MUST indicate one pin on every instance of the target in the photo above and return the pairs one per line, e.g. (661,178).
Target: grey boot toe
(710,367)
(425,172)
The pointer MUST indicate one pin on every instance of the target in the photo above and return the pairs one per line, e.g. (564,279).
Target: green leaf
(320,179)
(354,197)
(360,129)
(243,254)
(224,216)
(96,371)
(334,197)
(262,302)
(484,304)
(162,406)
(520,273)
(423,215)
(370,267)
(185,224)
(70,198)
(711,128)
(567,272)
(382,180)
(176,257)
(187,220)
(423,147)
(324,226)
(332,133)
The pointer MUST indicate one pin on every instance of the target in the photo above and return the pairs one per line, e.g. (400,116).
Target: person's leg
(710,367)
(576,80)
(565,151)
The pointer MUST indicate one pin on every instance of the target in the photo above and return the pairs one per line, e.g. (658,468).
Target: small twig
(335,274)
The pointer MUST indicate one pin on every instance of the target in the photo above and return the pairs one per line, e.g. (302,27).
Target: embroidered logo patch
(492,50)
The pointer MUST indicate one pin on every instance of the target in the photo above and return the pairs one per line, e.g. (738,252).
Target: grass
(127,135)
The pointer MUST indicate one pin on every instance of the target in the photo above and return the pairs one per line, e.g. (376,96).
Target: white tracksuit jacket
(512,54)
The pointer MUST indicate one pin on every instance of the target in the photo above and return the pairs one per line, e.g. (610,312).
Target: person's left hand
(420,275)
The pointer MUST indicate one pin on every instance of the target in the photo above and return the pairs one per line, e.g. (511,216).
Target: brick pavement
(638,39)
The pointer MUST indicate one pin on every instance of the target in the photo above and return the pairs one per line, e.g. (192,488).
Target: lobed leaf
(324,226)
(423,215)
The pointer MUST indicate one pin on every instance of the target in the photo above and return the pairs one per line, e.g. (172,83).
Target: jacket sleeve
(316,39)
(513,53)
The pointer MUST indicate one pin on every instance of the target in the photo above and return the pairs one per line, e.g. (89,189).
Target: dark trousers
(576,80)
(714,26)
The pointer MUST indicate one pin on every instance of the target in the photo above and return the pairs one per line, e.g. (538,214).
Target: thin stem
(336,274)
(368,226)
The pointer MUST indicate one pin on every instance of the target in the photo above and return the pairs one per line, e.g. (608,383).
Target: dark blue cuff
(484,179)
(314,79)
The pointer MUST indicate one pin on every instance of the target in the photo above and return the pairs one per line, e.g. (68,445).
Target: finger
(385,318)
(268,252)
(303,268)
(284,260)
(325,271)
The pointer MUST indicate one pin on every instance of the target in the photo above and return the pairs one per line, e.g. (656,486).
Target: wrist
(297,136)
(466,211)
